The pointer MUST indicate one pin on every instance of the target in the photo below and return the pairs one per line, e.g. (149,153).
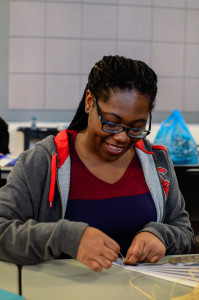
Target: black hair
(4,137)
(113,74)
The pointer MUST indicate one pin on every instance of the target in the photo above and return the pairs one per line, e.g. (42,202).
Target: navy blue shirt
(120,209)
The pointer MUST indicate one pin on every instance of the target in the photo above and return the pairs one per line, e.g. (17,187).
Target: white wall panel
(192,60)
(191,94)
(135,50)
(168,59)
(93,51)
(27,55)
(170,94)
(53,44)
(62,56)
(193,26)
(27,18)
(26,91)
(63,20)
(61,92)
(99,21)
(134,23)
(164,22)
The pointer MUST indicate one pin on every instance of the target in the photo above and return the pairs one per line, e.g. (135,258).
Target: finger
(110,254)
(145,253)
(134,254)
(130,251)
(136,249)
(94,265)
(148,257)
(153,258)
(104,262)
(111,244)
(98,263)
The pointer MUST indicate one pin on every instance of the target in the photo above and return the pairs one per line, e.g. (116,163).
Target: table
(9,279)
(35,134)
(69,279)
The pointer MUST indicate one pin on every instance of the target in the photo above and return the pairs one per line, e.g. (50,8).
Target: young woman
(100,187)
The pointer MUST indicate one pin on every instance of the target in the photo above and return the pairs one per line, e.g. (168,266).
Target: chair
(188,179)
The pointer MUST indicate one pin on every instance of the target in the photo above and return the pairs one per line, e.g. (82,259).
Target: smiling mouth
(114,150)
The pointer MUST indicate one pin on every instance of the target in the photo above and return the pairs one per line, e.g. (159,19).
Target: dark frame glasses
(111,127)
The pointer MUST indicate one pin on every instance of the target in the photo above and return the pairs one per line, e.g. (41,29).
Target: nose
(121,137)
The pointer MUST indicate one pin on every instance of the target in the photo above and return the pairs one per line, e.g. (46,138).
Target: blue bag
(176,137)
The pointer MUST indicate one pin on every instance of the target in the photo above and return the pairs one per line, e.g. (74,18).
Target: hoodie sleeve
(175,230)
(30,230)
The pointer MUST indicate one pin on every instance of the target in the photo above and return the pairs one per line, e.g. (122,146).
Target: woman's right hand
(97,250)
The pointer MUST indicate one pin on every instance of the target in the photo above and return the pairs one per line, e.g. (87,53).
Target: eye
(136,130)
(112,125)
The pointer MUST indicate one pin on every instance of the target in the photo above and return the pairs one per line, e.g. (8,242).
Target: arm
(175,231)
(31,231)
(174,235)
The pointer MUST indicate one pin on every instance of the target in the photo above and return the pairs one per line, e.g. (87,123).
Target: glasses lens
(111,128)
(137,133)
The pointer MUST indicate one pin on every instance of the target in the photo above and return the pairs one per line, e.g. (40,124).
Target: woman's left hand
(146,247)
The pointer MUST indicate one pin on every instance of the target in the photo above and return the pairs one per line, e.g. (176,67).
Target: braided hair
(115,74)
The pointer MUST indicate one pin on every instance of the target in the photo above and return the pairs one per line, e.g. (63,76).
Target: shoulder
(159,151)
(147,147)
(36,159)
(160,155)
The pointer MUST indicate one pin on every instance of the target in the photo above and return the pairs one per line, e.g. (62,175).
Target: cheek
(97,136)
(134,141)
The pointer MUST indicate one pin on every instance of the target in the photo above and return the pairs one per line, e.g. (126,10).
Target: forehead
(126,103)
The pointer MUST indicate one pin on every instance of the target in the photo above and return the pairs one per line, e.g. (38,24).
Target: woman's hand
(146,247)
(97,250)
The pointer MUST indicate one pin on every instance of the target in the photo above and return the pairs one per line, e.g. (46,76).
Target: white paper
(186,273)
(7,159)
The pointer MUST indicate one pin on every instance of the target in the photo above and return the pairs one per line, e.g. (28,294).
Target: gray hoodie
(34,201)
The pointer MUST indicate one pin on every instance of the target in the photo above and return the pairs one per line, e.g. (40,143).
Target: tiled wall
(54,44)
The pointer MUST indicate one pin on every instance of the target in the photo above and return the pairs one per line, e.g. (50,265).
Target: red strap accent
(62,146)
(61,142)
(140,146)
(166,185)
(160,147)
(162,170)
(53,179)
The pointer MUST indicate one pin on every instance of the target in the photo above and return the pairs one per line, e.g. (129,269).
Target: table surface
(69,279)
(9,277)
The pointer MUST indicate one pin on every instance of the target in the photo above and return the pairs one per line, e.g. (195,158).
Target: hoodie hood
(60,153)
(57,159)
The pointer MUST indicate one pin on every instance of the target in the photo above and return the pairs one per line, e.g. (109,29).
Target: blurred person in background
(4,137)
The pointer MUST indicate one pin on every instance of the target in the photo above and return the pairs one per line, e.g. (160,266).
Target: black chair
(188,179)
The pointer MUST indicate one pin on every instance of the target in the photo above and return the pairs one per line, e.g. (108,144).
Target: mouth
(115,150)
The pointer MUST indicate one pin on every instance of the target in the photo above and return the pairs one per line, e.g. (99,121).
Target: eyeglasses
(110,127)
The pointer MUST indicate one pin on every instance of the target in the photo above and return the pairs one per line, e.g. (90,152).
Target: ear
(88,101)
